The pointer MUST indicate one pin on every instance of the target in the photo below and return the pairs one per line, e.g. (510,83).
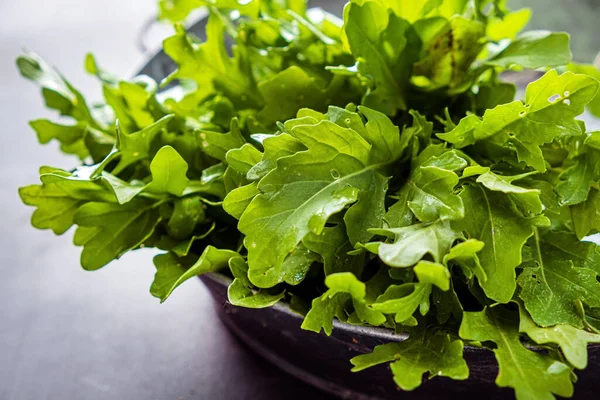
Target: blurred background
(70,334)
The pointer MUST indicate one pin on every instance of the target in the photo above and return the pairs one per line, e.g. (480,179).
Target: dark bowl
(323,361)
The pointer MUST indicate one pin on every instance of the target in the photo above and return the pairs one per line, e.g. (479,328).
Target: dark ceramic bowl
(323,361)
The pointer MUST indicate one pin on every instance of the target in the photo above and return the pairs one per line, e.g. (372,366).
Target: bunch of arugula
(376,170)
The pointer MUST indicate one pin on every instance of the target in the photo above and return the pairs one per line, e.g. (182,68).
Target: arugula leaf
(61,96)
(550,288)
(171,272)
(120,228)
(438,354)
(489,218)
(240,292)
(276,220)
(548,112)
(578,179)
(531,374)
(413,242)
(572,341)
(432,185)
(387,47)
(534,49)
(343,287)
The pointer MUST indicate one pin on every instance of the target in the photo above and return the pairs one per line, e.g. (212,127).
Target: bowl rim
(284,307)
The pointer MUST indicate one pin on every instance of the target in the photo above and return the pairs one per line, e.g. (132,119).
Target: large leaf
(531,374)
(550,287)
(489,218)
(301,193)
(119,228)
(171,272)
(435,354)
(413,242)
(548,112)
(534,49)
(387,46)
(572,341)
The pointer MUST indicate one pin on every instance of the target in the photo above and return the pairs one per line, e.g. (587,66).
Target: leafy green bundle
(376,170)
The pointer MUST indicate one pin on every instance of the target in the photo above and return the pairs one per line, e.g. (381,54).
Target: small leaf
(437,354)
(168,172)
(170,272)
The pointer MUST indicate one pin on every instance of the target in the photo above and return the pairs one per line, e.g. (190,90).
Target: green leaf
(287,210)
(403,300)
(241,293)
(577,180)
(534,49)
(54,207)
(572,341)
(386,47)
(187,213)
(170,272)
(531,374)
(432,185)
(465,255)
(210,66)
(276,147)
(238,199)
(563,246)
(435,354)
(450,53)
(244,158)
(526,200)
(586,215)
(120,228)
(241,296)
(593,71)
(490,219)
(343,287)
(323,311)
(217,144)
(168,172)
(548,112)
(433,273)
(289,91)
(137,146)
(333,246)
(61,96)
(413,242)
(551,288)
(71,137)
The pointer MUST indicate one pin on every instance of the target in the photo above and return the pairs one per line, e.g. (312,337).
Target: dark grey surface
(69,334)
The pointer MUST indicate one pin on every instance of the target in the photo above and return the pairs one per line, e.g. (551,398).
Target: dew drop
(335,174)
(567,102)
(553,98)
(205,144)
(347,120)
(253,245)
(136,154)
(522,114)
(202,136)
(567,93)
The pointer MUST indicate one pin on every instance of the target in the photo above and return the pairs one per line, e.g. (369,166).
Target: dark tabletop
(69,334)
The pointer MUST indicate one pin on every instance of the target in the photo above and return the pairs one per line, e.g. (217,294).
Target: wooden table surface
(67,334)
